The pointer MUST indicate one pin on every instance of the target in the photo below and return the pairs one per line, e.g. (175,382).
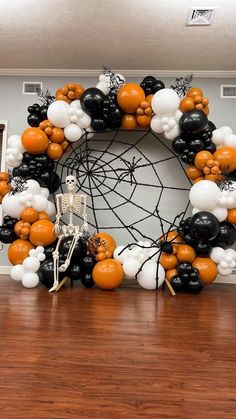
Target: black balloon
(184,267)
(74,272)
(151,85)
(204,226)
(92,101)
(211,126)
(46,273)
(7,235)
(194,286)
(177,283)
(193,121)
(179,145)
(87,281)
(9,222)
(196,145)
(33,120)
(203,248)
(87,264)
(48,250)
(80,249)
(99,124)
(226,236)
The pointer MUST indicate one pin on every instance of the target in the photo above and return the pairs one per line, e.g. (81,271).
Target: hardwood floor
(124,354)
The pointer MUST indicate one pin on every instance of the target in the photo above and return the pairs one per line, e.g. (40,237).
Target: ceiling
(122,34)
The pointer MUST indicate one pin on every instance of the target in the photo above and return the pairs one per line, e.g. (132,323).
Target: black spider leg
(111,209)
(131,167)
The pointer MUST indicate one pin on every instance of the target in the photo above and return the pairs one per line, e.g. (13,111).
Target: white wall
(13,107)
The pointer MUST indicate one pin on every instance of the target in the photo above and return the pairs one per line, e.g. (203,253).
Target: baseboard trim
(64,72)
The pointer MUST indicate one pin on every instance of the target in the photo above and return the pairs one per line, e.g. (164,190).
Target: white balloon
(17,272)
(154,254)
(224,271)
(30,280)
(11,206)
(44,192)
(156,124)
(58,113)
(75,105)
(121,257)
(165,101)
(40,203)
(204,195)
(173,133)
(39,249)
(73,132)
(218,137)
(230,141)
(41,257)
(89,132)
(227,130)
(231,252)
(13,139)
(33,186)
(33,253)
(147,277)
(217,254)
(223,264)
(84,121)
(104,87)
(178,115)
(131,267)
(31,264)
(50,210)
(220,213)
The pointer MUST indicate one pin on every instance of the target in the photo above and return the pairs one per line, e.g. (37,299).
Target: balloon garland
(193,250)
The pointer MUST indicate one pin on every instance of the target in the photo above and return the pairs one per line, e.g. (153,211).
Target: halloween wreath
(57,170)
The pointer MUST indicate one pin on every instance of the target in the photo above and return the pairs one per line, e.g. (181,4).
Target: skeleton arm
(84,215)
(58,214)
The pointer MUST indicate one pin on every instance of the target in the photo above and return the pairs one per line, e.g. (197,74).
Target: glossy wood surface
(125,354)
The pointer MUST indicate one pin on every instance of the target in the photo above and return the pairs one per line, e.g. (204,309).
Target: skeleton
(68,203)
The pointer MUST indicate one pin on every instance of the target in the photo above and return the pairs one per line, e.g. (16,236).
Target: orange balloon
(186,104)
(185,253)
(198,179)
(231,218)
(128,122)
(144,120)
(4,187)
(207,269)
(226,156)
(42,233)
(57,135)
(170,273)
(34,140)
(149,98)
(130,96)
(201,159)
(64,145)
(194,91)
(214,178)
(108,274)
(18,227)
(4,176)
(193,172)
(79,90)
(168,261)
(29,215)
(43,216)
(100,243)
(173,237)
(206,110)
(18,251)
(54,151)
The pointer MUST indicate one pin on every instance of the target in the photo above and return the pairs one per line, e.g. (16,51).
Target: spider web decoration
(135,183)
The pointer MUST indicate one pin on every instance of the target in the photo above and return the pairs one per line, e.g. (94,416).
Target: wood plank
(129,353)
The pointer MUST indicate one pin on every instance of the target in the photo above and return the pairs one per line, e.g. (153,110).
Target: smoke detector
(200,16)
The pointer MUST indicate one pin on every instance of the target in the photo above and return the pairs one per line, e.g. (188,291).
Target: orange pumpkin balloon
(128,122)
(29,215)
(54,151)
(194,91)
(130,96)
(201,159)
(207,269)
(186,104)
(108,274)
(34,140)
(226,156)
(18,227)
(100,243)
(4,176)
(168,261)
(144,120)
(79,90)
(170,273)
(173,237)
(193,172)
(57,135)
(42,233)
(185,253)
(43,215)
(18,251)
(231,218)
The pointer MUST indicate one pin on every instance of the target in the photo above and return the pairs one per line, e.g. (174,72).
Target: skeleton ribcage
(71,203)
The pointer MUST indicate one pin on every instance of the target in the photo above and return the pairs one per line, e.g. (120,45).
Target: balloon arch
(67,137)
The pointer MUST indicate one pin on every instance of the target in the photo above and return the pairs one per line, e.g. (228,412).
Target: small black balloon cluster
(37,114)
(187,279)
(151,85)
(104,110)
(80,268)
(196,135)
(38,167)
(7,234)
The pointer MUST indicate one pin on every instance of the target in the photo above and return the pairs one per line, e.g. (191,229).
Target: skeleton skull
(70,183)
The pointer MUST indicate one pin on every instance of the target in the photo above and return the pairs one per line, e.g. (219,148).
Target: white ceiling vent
(228,91)
(200,16)
(32,87)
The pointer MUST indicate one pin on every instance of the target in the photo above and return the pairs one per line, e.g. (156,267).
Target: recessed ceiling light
(200,16)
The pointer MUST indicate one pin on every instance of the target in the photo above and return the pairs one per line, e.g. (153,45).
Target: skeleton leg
(66,264)
(56,255)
